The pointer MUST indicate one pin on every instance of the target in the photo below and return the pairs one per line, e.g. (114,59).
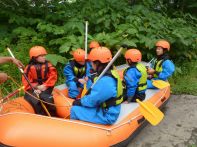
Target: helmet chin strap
(130,62)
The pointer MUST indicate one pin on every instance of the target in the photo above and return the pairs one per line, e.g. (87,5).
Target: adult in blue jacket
(135,76)
(102,104)
(77,72)
(163,67)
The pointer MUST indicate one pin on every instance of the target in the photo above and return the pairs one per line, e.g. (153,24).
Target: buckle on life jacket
(114,101)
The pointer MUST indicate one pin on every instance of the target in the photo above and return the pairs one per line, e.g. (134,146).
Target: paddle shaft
(108,66)
(86,39)
(26,78)
(12,94)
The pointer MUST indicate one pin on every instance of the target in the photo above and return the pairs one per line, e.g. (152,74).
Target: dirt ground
(178,129)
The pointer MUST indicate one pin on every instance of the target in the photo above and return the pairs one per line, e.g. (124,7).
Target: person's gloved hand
(17,63)
(150,77)
(77,102)
(37,91)
(41,87)
(150,71)
(82,81)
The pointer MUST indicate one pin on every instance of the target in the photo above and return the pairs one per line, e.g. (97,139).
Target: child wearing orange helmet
(102,103)
(135,76)
(93,44)
(163,67)
(76,73)
(42,76)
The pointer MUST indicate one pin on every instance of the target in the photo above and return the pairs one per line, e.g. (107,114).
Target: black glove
(129,99)
(77,102)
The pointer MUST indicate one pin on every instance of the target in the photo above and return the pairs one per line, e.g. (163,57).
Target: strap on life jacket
(38,68)
(114,101)
(142,85)
(78,72)
(158,65)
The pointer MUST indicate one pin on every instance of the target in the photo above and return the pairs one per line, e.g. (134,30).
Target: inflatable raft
(21,127)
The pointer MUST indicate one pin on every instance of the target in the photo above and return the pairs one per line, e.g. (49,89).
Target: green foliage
(56,58)
(58,25)
(185,79)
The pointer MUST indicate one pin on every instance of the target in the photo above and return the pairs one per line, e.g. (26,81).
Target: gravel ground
(178,129)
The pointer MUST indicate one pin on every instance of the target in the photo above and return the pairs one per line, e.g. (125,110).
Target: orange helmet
(79,55)
(36,51)
(101,54)
(164,44)
(134,55)
(94,44)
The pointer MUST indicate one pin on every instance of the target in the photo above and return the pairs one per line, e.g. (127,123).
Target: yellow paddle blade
(84,90)
(150,112)
(160,84)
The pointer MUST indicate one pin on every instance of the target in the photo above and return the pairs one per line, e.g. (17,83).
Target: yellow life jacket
(78,72)
(158,65)
(119,98)
(142,85)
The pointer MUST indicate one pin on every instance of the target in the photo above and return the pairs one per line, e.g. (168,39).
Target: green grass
(184,81)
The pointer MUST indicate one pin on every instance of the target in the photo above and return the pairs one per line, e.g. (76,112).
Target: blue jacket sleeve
(103,90)
(88,69)
(131,78)
(168,69)
(70,81)
(68,73)
(88,74)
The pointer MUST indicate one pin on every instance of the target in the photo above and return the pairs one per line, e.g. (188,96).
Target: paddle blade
(160,84)
(150,112)
(84,90)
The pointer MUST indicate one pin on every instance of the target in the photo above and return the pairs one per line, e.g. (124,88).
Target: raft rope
(122,124)
(14,105)
(102,128)
(6,98)
(109,130)
(59,92)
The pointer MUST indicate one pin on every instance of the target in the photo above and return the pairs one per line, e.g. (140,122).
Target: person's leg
(150,85)
(140,96)
(47,97)
(33,101)
(73,91)
(93,115)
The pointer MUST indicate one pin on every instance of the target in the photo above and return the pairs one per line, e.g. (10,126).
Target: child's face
(41,59)
(81,62)
(93,66)
(159,51)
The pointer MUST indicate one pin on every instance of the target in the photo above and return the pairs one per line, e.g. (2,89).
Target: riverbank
(178,129)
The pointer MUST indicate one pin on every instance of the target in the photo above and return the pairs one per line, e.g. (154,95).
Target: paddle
(86,53)
(106,68)
(26,78)
(150,112)
(84,90)
(160,84)
(149,63)
(11,94)
(86,39)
